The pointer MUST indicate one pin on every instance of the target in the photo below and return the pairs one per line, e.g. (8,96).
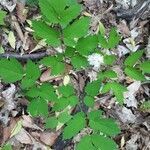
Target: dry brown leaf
(28,123)
(21,12)
(24,137)
(48,138)
(7,130)
(46,76)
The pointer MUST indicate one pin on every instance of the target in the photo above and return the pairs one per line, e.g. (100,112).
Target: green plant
(62,25)
(2,16)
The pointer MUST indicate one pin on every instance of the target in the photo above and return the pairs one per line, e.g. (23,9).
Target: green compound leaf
(32,74)
(145,66)
(109,59)
(59,11)
(11,70)
(87,45)
(2,16)
(69,52)
(117,89)
(45,91)
(109,74)
(56,64)
(51,122)
(89,101)
(76,124)
(95,115)
(133,58)
(61,104)
(93,88)
(75,31)
(134,73)
(113,39)
(44,31)
(38,107)
(64,117)
(106,126)
(103,143)
(86,144)
(96,142)
(48,11)
(66,90)
(73,100)
(79,62)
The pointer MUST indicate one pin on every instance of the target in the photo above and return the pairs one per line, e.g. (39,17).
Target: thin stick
(24,57)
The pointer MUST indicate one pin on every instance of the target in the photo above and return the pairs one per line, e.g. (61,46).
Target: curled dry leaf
(46,76)
(27,122)
(130,99)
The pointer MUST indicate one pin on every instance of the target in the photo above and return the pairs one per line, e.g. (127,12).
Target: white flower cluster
(95,60)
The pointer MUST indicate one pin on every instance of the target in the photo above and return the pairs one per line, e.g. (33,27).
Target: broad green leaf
(87,45)
(61,104)
(102,41)
(89,101)
(103,143)
(79,62)
(32,74)
(59,11)
(45,91)
(133,58)
(38,107)
(73,100)
(43,31)
(95,115)
(118,91)
(110,74)
(93,88)
(113,39)
(69,52)
(66,90)
(86,144)
(134,73)
(106,88)
(145,66)
(75,31)
(48,11)
(106,126)
(51,122)
(76,124)
(64,117)
(109,59)
(69,14)
(6,147)
(10,70)
(57,66)
(2,16)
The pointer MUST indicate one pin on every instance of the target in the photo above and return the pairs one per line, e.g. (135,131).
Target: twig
(25,57)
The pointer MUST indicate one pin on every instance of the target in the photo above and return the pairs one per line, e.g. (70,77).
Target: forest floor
(24,132)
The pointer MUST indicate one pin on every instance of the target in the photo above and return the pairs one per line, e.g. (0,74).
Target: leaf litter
(31,133)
